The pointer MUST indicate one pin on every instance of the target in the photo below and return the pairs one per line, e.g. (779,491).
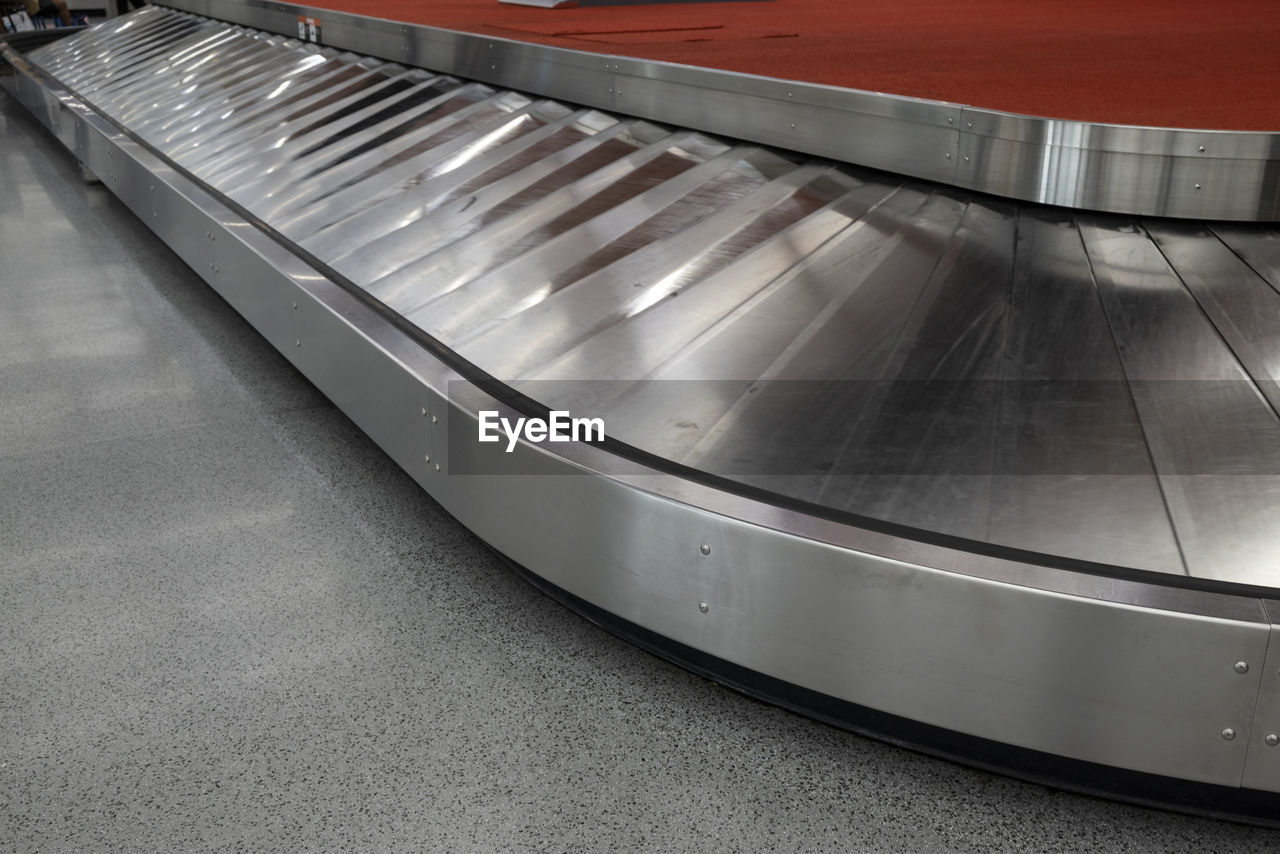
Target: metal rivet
(1228,734)
(427,458)
(966,158)
(1202,148)
(950,120)
(1197,186)
(705,549)
(434,419)
(1242,667)
(1272,739)
(790,95)
(424,412)
(970,124)
(948,155)
(704,607)
(297,343)
(295,304)
(437,467)
(793,125)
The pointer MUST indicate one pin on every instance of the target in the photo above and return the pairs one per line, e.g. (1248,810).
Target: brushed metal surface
(1176,172)
(1262,767)
(777,276)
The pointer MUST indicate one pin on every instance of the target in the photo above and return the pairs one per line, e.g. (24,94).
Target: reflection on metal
(908,418)
(1200,174)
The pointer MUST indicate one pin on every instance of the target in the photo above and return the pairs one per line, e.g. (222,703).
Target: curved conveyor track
(996,479)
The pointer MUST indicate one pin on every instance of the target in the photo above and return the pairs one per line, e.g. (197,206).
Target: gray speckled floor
(230,623)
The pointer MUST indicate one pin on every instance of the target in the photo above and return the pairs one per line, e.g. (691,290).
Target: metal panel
(1229,175)
(1104,684)
(1262,770)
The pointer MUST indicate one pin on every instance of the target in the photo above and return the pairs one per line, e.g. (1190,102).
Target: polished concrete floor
(229,622)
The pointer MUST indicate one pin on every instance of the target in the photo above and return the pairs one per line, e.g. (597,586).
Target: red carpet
(1180,63)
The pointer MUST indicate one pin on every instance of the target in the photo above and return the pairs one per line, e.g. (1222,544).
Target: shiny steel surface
(1200,174)
(1088,387)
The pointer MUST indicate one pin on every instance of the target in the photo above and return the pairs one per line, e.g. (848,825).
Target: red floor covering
(1175,63)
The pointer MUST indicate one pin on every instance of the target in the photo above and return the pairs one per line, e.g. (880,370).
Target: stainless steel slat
(375,242)
(445,167)
(461,251)
(1072,456)
(441,126)
(762,318)
(1214,440)
(335,98)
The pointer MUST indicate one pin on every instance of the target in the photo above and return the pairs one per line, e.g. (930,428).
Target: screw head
(1228,734)
(1272,739)
(1242,667)
(705,549)
(704,607)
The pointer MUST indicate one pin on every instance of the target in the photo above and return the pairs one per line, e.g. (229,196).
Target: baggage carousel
(875,434)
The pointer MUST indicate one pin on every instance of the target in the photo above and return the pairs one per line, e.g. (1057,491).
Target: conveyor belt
(1085,393)
(1093,387)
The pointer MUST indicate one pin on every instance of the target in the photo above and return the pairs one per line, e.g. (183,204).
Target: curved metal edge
(1250,804)
(1122,681)
(1174,172)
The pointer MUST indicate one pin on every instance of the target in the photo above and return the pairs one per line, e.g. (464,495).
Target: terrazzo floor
(228,622)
